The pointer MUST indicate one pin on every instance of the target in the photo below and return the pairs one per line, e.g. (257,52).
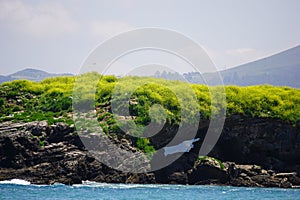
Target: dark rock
(265,149)
(255,176)
(181,164)
(148,178)
(270,143)
(62,158)
(178,178)
(207,169)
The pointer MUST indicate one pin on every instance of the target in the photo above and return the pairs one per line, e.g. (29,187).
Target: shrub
(16,108)
(2,101)
(42,143)
(144,145)
(12,94)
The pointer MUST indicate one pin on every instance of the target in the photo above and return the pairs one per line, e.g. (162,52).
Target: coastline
(61,158)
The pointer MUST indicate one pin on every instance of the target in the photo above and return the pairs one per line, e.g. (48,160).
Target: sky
(58,35)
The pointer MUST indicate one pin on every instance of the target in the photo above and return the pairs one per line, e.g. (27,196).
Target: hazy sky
(57,36)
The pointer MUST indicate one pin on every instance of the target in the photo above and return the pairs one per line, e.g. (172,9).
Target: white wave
(107,185)
(15,181)
(128,185)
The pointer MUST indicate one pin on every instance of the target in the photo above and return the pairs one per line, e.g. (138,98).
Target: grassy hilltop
(52,100)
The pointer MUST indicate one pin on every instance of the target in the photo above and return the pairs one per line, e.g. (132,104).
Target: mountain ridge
(30,74)
(280,69)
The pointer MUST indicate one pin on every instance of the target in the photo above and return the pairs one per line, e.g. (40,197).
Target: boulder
(208,170)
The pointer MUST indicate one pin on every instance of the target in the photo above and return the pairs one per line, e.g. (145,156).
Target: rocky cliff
(271,143)
(254,152)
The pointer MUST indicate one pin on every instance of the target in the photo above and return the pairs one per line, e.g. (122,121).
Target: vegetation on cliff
(52,98)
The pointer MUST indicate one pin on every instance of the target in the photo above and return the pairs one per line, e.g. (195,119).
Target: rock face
(271,143)
(255,176)
(208,170)
(267,153)
(45,154)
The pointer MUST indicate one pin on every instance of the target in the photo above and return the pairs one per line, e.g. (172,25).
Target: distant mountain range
(281,69)
(30,74)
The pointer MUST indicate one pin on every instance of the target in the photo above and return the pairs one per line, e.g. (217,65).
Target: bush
(2,101)
(12,94)
(42,143)
(144,145)
(16,108)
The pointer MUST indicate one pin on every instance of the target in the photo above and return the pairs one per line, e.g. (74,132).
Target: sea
(20,189)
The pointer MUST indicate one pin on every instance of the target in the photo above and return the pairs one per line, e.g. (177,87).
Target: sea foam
(15,181)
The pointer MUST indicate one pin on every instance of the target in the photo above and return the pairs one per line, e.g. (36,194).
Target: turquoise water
(91,190)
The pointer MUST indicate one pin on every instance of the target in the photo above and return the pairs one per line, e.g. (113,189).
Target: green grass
(52,98)
(144,145)
(148,99)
